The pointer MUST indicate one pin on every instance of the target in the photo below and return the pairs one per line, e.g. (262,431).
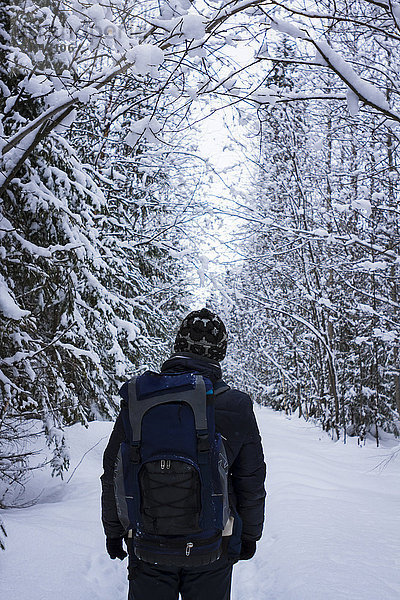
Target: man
(199,347)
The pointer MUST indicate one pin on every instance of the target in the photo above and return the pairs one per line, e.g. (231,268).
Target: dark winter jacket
(236,422)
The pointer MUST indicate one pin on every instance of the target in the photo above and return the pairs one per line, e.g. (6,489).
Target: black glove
(248,550)
(115,549)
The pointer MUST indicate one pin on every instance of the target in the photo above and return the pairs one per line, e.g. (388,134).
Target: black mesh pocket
(170,497)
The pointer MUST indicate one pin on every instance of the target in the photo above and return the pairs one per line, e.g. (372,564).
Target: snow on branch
(8,306)
(365,91)
(359,89)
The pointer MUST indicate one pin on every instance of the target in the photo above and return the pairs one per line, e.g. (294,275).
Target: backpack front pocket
(170,497)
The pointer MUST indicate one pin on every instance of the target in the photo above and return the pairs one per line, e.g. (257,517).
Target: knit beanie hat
(202,333)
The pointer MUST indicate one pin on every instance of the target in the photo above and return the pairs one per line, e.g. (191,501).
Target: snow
(319,60)
(130,328)
(148,127)
(319,231)
(352,103)
(187,27)
(95,12)
(361,88)
(362,205)
(370,265)
(331,533)
(318,145)
(386,336)
(395,8)
(8,306)
(74,22)
(325,302)
(146,58)
(38,85)
(286,27)
(173,91)
(60,97)
(376,196)
(193,27)
(264,95)
(85,94)
(326,538)
(174,7)
(65,526)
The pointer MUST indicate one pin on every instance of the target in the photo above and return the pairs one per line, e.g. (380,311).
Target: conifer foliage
(77,298)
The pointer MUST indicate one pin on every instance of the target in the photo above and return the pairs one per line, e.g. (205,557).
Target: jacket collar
(187,362)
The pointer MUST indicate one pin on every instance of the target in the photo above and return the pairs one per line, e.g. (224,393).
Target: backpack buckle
(135,454)
(203,444)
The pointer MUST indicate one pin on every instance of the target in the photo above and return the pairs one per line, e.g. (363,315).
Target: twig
(87,452)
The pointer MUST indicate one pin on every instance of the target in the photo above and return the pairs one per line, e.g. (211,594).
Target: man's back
(236,422)
(199,346)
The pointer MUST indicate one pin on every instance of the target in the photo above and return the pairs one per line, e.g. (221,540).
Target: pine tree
(78,301)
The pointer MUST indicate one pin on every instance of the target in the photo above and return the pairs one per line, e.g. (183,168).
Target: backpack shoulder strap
(221,387)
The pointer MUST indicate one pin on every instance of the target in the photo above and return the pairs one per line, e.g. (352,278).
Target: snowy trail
(332,531)
(333,519)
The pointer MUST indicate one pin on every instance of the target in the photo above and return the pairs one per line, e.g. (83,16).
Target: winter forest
(161,155)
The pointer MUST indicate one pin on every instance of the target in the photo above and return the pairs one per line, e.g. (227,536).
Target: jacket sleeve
(109,515)
(248,475)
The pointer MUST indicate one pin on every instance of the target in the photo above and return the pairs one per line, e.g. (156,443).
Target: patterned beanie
(202,333)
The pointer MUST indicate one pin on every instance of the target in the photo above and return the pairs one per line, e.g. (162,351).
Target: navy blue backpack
(172,473)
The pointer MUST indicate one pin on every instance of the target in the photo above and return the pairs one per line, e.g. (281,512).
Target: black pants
(152,582)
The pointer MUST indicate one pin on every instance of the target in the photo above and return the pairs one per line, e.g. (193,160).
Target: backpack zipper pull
(189,546)
(162,464)
(168,464)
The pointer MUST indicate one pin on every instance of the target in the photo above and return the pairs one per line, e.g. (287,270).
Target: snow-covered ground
(332,529)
